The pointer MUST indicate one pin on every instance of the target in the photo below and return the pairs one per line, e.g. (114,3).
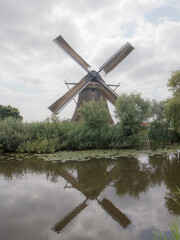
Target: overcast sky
(33,69)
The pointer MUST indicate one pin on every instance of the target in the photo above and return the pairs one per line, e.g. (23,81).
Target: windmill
(91,86)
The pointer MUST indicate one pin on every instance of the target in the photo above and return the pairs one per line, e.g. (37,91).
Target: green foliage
(131,110)
(175,234)
(118,139)
(173,104)
(173,112)
(8,111)
(29,137)
(46,136)
(83,137)
(96,117)
(174,83)
(38,146)
(95,114)
(12,133)
(158,112)
(159,131)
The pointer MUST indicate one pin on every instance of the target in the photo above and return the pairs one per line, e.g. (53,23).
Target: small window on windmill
(92,91)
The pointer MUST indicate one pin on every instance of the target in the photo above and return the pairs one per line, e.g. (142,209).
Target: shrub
(12,134)
(159,133)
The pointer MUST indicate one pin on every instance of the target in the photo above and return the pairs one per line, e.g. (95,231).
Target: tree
(174,83)
(173,104)
(173,112)
(131,110)
(159,131)
(8,111)
(158,111)
(95,116)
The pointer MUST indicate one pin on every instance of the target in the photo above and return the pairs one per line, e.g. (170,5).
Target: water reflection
(72,190)
(133,177)
(90,181)
(168,172)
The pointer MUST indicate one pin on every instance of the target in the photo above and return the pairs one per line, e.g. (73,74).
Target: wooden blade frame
(67,97)
(112,62)
(62,224)
(108,93)
(68,49)
(114,212)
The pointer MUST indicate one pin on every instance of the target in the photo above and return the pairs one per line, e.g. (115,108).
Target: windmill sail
(112,62)
(62,224)
(108,93)
(114,212)
(67,97)
(68,49)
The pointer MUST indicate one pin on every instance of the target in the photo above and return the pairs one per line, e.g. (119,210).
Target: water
(99,199)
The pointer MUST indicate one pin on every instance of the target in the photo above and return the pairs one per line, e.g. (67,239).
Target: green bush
(160,134)
(38,146)
(49,137)
(9,111)
(12,134)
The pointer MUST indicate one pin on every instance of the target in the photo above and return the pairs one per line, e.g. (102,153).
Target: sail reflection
(91,186)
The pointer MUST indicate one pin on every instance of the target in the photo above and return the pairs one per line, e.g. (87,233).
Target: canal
(125,198)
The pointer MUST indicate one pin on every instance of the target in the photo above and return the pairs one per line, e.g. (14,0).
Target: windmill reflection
(91,180)
(59,226)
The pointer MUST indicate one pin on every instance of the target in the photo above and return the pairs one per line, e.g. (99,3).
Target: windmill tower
(91,86)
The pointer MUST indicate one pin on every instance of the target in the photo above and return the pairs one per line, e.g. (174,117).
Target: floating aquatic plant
(86,155)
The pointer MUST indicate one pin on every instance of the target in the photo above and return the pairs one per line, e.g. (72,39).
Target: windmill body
(92,86)
(90,93)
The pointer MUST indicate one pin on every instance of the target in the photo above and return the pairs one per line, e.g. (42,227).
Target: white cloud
(31,63)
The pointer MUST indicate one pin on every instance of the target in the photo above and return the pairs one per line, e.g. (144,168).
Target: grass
(175,232)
